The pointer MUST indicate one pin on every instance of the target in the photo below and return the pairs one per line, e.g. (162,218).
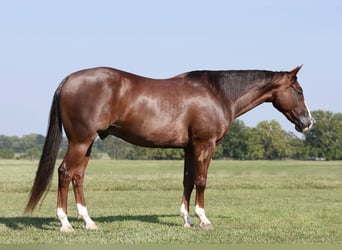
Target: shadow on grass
(152,218)
(50,223)
(21,223)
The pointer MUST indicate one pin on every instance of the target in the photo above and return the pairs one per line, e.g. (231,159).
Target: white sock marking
(66,226)
(201,215)
(83,214)
(184,213)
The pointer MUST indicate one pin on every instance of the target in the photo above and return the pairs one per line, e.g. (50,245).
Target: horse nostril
(306,124)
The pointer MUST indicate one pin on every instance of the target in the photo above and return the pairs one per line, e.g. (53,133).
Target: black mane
(233,83)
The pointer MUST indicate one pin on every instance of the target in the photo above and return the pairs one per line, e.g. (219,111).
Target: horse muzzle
(304,124)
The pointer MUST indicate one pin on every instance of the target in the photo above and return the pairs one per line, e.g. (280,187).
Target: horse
(193,111)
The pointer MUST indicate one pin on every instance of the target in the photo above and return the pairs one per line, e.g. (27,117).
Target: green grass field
(136,202)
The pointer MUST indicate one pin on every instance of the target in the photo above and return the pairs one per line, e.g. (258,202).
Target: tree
(32,154)
(254,148)
(218,154)
(241,142)
(10,142)
(116,148)
(324,140)
(276,141)
(232,144)
(6,154)
(299,149)
(32,141)
(164,153)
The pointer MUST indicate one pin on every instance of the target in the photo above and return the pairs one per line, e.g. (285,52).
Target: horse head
(288,98)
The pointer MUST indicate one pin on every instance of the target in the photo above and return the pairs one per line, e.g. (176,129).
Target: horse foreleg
(188,185)
(77,183)
(203,155)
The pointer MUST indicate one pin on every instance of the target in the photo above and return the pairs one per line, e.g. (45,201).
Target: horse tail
(47,161)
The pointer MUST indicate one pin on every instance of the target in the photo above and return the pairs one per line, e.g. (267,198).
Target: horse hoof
(189,222)
(66,229)
(91,226)
(206,226)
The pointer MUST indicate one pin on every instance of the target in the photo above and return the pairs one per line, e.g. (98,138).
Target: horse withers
(192,111)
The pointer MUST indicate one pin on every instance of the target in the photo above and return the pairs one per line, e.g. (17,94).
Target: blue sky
(43,41)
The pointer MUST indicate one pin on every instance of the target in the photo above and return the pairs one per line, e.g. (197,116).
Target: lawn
(136,202)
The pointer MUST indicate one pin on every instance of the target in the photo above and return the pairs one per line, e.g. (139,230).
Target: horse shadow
(50,223)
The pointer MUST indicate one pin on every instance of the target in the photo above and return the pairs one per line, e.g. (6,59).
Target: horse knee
(201,182)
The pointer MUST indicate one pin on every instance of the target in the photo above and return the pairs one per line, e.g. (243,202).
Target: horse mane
(233,83)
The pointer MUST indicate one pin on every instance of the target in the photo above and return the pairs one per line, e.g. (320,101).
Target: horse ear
(295,70)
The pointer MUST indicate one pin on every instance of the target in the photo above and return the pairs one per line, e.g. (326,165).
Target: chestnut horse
(192,111)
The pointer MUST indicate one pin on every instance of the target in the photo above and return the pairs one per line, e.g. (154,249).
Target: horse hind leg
(77,182)
(62,199)
(72,169)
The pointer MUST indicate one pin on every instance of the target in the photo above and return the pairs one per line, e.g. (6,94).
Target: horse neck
(251,97)
(249,101)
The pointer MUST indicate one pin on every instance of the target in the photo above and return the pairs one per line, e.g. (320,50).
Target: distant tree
(233,145)
(116,148)
(5,143)
(31,154)
(164,153)
(241,142)
(136,153)
(254,148)
(299,151)
(10,142)
(6,154)
(276,141)
(324,140)
(32,141)
(218,154)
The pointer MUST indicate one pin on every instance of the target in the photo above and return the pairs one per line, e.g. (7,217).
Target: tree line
(265,141)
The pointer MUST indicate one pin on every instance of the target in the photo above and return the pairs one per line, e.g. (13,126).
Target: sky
(41,42)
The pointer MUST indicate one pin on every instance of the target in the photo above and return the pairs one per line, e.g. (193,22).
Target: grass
(136,202)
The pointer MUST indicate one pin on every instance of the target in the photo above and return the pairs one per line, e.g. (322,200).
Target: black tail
(48,159)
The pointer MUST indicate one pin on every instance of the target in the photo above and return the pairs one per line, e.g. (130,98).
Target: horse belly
(149,133)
